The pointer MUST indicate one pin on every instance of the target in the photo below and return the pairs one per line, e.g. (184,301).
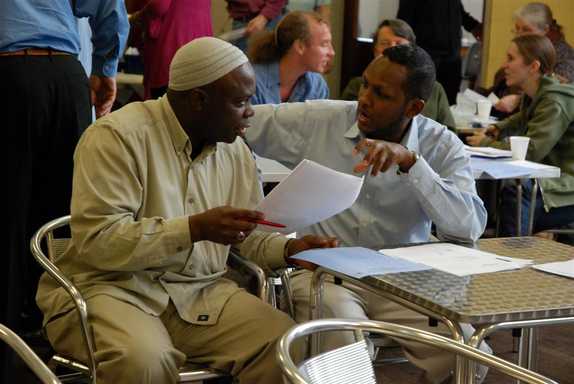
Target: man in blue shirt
(416,173)
(46,106)
(289,61)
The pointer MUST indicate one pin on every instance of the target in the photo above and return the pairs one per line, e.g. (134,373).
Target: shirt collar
(179,137)
(410,139)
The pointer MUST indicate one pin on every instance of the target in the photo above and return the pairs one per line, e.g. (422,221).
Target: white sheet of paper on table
(562,268)
(456,259)
(489,152)
(311,193)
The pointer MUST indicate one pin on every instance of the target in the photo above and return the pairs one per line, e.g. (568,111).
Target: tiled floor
(555,358)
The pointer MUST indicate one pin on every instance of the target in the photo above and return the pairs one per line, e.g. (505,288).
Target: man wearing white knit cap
(161,191)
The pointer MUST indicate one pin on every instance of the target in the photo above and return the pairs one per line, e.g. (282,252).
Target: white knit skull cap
(202,61)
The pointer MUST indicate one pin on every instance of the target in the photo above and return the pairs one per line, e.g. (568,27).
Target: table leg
(518,207)
(533,194)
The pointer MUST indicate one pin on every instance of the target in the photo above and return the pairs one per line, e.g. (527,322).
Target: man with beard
(416,174)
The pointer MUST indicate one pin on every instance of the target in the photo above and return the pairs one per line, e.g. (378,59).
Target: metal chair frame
(55,246)
(32,360)
(293,375)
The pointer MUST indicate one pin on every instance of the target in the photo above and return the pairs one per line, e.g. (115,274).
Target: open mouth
(362,117)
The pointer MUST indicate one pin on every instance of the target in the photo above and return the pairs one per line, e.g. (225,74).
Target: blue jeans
(553,219)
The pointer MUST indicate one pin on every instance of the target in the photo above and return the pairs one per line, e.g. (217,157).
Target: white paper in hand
(310,194)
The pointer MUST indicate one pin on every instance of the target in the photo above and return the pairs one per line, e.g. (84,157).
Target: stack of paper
(489,152)
(455,259)
(562,268)
(358,262)
(311,193)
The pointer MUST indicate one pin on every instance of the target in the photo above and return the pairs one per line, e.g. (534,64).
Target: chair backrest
(55,247)
(293,374)
(30,358)
(348,364)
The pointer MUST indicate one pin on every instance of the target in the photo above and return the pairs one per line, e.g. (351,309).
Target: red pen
(269,223)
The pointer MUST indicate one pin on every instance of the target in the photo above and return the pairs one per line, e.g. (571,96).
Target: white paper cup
(483,108)
(519,147)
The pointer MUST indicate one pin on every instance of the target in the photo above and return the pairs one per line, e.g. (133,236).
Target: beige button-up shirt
(134,187)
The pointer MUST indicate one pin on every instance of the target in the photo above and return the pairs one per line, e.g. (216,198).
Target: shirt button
(179,249)
(190,200)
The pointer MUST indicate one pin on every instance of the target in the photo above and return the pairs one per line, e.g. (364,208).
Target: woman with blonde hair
(546,116)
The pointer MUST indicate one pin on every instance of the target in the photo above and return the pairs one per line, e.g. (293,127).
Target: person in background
(535,18)
(322,7)
(175,188)
(255,16)
(437,24)
(289,60)
(46,107)
(416,173)
(168,25)
(546,116)
(389,33)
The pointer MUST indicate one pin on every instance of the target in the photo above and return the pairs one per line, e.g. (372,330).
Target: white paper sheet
(455,259)
(562,268)
(311,193)
(358,261)
(489,152)
(493,98)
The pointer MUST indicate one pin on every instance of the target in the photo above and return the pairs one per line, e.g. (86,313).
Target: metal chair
(190,373)
(350,360)
(30,358)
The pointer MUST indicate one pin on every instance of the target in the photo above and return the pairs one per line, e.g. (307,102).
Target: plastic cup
(519,147)
(483,109)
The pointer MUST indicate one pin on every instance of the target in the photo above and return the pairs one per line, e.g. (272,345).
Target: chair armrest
(235,260)
(36,248)
(30,358)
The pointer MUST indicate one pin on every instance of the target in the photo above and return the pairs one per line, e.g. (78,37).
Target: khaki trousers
(352,302)
(135,347)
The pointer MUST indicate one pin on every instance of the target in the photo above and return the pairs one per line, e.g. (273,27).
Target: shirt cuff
(104,67)
(275,257)
(421,176)
(178,228)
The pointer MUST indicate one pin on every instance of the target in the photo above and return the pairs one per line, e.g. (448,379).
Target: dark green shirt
(436,107)
(548,119)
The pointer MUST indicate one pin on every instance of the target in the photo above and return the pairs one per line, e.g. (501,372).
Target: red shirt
(248,9)
(170,25)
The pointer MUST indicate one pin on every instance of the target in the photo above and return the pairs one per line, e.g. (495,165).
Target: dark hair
(272,45)
(420,69)
(536,47)
(399,27)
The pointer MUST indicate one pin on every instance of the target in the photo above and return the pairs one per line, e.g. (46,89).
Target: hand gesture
(478,135)
(381,155)
(103,92)
(508,103)
(308,242)
(223,225)
(257,24)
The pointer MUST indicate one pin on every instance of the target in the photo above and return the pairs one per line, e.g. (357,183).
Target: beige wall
(222,22)
(498,26)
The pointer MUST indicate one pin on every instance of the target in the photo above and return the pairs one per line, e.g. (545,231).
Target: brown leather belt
(35,52)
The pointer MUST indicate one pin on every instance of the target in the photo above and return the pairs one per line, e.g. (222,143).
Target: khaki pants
(135,347)
(352,302)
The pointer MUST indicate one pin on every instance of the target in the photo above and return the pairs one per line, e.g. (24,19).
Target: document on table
(562,268)
(489,152)
(456,259)
(501,169)
(358,262)
(311,193)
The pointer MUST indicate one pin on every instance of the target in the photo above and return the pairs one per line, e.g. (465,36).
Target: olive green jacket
(436,107)
(548,119)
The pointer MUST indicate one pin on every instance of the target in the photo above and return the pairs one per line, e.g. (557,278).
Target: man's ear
(414,107)
(198,99)
(535,66)
(299,47)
